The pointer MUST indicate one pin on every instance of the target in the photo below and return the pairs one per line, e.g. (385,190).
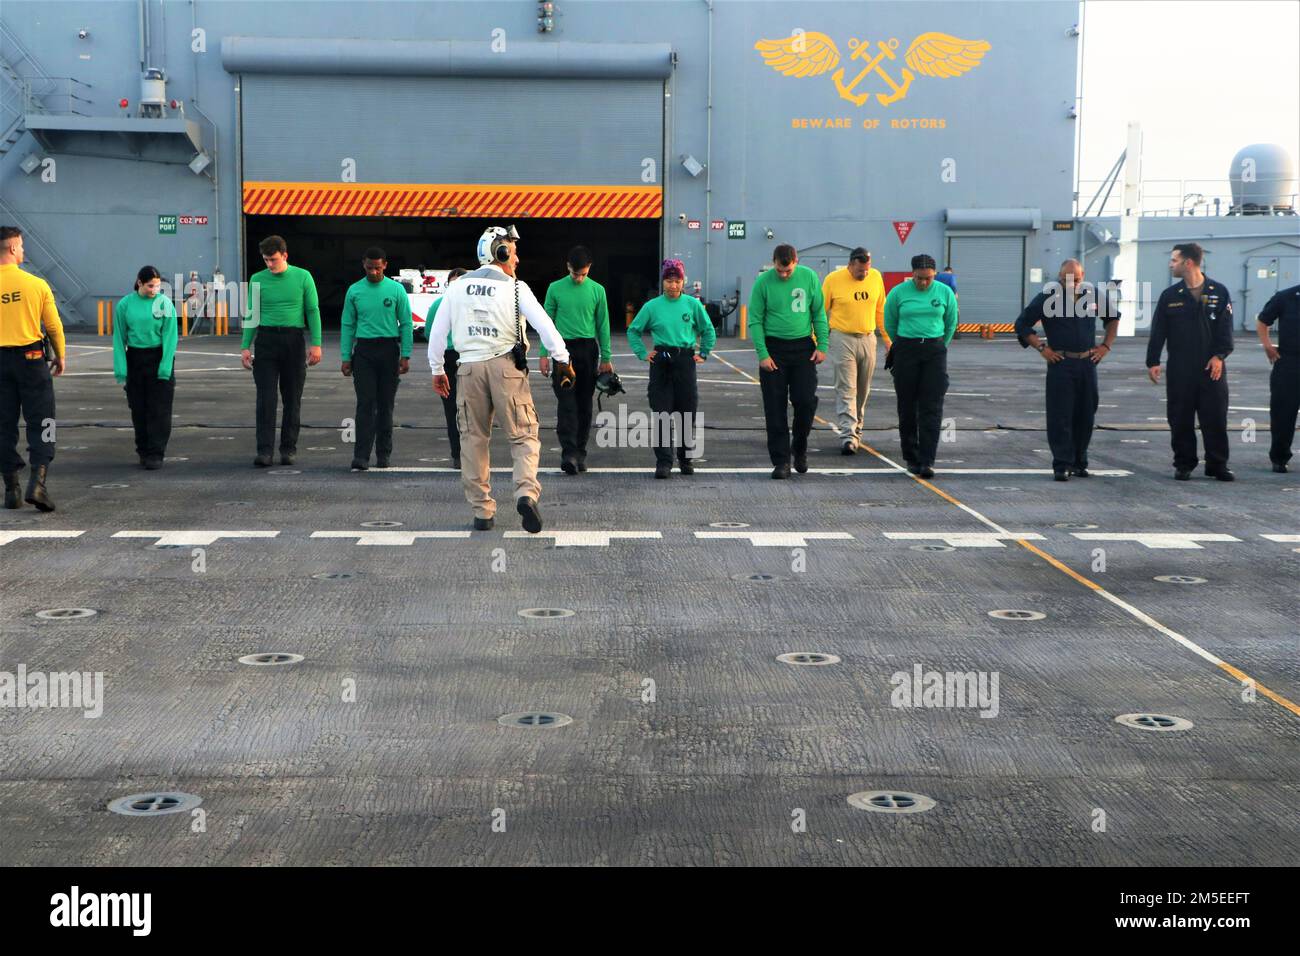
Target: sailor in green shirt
(787,320)
(578,305)
(920,318)
(451,362)
(375,346)
(673,321)
(144,347)
(282,309)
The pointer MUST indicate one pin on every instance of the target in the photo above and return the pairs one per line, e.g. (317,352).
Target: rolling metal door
(302,129)
(990,277)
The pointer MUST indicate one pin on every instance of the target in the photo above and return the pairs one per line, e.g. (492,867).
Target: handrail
(58,87)
(9,39)
(48,256)
(1188,197)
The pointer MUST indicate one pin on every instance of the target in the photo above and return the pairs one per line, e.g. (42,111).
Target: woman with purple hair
(673,321)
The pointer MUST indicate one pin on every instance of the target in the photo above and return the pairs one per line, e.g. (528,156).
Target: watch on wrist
(1041,346)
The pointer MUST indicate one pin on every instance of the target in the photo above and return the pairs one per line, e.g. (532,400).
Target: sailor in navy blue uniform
(1284,381)
(1069,309)
(1194,318)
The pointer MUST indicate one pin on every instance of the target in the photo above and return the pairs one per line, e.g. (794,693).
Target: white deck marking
(1283,538)
(584,539)
(223,368)
(1156,540)
(732,381)
(389,538)
(701,469)
(776,539)
(194,537)
(964,539)
(1120,603)
(7,537)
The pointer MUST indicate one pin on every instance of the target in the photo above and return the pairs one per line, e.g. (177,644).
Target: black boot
(12,497)
(36,489)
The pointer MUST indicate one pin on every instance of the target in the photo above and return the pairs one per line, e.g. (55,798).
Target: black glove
(889,358)
(564,375)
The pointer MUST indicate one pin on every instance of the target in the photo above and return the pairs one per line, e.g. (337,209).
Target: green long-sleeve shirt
(375,310)
(140,322)
(789,309)
(580,311)
(287,300)
(432,314)
(672,322)
(916,314)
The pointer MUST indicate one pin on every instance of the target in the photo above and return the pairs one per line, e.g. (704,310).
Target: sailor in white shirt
(485,312)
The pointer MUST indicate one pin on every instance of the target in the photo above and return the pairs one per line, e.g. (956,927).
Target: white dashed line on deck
(1156,540)
(193,538)
(585,539)
(6,537)
(389,538)
(965,539)
(776,539)
(763,470)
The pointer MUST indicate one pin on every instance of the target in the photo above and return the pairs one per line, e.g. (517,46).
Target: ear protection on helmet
(493,245)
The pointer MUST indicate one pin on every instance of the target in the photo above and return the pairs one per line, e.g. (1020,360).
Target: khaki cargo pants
(854,359)
(484,389)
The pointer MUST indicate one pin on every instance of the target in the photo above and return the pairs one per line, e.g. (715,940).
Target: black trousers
(1283,404)
(150,401)
(375,377)
(26,387)
(793,382)
(451,362)
(1191,395)
(920,383)
(673,389)
(573,405)
(1072,398)
(279,364)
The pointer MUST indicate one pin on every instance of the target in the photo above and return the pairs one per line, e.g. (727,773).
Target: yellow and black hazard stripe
(452,201)
(978,327)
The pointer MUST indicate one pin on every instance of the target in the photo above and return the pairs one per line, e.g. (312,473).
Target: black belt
(282,328)
(675,349)
(904,338)
(22,348)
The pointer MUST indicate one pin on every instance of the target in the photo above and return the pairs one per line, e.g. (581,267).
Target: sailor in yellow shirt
(27,315)
(855,304)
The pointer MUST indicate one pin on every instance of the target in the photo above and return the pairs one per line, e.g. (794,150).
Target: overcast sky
(1204,78)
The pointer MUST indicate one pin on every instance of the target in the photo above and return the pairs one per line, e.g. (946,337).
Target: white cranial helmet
(492,242)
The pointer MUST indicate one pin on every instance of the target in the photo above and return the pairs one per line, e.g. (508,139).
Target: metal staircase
(17,97)
(42,260)
(22,82)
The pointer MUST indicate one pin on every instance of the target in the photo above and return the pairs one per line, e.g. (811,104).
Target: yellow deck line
(1091,585)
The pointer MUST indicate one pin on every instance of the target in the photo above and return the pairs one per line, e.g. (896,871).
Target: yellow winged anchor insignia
(938,54)
(930,54)
(802,54)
